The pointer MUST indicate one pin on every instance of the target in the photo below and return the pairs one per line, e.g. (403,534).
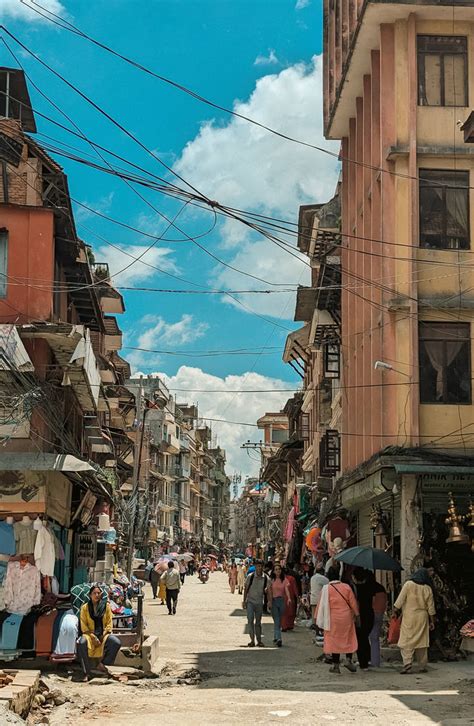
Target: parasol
(369,558)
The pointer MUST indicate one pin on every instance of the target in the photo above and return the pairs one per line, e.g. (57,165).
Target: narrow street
(244,686)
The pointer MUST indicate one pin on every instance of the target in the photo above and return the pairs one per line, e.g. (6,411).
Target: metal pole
(135,477)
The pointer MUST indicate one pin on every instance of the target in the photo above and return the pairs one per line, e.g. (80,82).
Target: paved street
(264,686)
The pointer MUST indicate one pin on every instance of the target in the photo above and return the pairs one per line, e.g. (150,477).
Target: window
(445,362)
(442,70)
(330,453)
(3,261)
(444,209)
(332,360)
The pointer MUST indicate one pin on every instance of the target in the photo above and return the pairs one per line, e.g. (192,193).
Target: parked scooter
(204,574)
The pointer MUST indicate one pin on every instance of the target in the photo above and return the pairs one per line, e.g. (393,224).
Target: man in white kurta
(417,605)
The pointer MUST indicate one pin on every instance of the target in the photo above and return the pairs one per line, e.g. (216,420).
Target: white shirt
(317,583)
(45,555)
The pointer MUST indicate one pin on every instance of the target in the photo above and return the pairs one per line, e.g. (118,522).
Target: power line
(71,28)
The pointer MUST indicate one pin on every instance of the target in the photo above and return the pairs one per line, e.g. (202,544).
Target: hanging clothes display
(10,629)
(22,588)
(44,550)
(44,632)
(25,537)
(7,539)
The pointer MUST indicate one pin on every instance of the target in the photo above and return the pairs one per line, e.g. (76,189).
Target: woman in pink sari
(288,617)
(337,613)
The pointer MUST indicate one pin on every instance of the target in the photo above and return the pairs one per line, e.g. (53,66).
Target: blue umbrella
(368,558)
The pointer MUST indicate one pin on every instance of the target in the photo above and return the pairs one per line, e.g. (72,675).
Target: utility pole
(136,475)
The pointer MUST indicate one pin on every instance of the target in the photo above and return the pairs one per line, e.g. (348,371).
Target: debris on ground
(43,704)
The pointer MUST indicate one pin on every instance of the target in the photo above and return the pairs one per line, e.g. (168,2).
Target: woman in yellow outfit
(97,640)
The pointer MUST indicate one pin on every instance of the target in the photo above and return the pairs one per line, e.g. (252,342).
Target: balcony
(75,358)
(111,301)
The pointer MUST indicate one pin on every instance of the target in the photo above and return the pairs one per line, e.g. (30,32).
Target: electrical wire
(70,27)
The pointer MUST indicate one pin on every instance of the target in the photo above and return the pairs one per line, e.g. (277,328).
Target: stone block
(150,650)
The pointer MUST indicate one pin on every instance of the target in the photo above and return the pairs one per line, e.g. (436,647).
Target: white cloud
(241,407)
(20,11)
(244,166)
(161,334)
(267,60)
(301,4)
(125,270)
(102,205)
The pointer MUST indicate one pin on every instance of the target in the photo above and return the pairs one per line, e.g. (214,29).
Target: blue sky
(261,54)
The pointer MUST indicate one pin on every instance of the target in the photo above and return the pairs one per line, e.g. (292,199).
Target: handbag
(393,635)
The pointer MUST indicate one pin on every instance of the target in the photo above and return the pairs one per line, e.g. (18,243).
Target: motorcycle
(204,575)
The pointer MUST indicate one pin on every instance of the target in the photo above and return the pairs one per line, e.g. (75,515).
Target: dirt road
(263,686)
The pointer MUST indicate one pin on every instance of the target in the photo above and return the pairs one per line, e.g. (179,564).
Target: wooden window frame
(423,175)
(441,52)
(426,337)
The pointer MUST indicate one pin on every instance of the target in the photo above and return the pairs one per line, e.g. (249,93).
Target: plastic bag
(393,634)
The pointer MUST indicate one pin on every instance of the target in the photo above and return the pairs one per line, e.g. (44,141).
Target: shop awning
(432,469)
(38,461)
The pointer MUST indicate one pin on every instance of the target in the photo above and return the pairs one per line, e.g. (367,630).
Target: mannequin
(10,520)
(26,520)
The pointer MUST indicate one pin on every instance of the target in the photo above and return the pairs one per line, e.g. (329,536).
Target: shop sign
(446,482)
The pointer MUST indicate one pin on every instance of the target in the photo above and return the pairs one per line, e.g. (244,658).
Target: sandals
(406,669)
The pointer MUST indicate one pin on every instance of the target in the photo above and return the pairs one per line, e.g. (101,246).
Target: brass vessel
(456,531)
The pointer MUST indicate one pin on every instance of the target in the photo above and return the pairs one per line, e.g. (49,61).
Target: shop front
(51,510)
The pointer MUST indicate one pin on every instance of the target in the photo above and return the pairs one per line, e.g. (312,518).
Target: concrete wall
(389,283)
(30,257)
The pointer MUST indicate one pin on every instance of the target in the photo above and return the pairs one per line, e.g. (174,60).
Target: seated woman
(96,640)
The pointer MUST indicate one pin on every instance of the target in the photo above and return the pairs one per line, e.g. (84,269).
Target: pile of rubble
(44,701)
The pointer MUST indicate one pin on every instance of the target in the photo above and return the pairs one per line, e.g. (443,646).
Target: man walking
(257,585)
(172,582)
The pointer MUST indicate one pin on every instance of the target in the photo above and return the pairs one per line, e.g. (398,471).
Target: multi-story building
(63,414)
(397,77)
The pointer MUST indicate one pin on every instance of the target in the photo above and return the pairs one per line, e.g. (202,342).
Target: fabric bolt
(25,538)
(66,642)
(416,603)
(3,616)
(10,629)
(26,634)
(22,588)
(44,551)
(56,628)
(2,597)
(44,632)
(3,570)
(7,539)
(336,612)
